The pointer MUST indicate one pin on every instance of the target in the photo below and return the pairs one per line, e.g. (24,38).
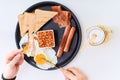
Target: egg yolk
(40,59)
(25,48)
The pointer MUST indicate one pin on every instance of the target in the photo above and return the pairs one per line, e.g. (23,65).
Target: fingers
(73,74)
(77,72)
(15,60)
(67,78)
(22,59)
(12,55)
(68,75)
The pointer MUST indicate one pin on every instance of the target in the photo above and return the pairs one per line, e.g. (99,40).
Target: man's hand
(73,74)
(12,64)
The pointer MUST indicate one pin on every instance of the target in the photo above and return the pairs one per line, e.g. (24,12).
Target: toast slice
(42,17)
(26,22)
(22,26)
(29,21)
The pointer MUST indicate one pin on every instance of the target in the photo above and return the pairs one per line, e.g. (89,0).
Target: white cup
(102,34)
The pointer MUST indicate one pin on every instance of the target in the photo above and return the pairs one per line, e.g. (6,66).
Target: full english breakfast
(39,43)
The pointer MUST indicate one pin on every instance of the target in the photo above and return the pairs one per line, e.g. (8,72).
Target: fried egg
(42,55)
(27,45)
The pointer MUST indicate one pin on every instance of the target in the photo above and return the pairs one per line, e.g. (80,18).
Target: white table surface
(98,63)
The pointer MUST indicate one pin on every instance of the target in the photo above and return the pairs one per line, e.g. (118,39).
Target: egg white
(23,40)
(48,52)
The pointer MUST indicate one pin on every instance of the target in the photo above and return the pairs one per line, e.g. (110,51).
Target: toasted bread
(26,22)
(23,27)
(42,17)
(32,22)
(29,21)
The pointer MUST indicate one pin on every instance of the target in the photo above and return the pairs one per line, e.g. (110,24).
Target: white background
(98,63)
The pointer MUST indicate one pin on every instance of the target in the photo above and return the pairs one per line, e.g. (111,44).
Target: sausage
(69,39)
(63,41)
